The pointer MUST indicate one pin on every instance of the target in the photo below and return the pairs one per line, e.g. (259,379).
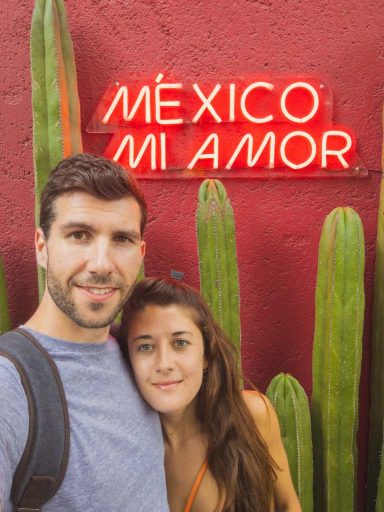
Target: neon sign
(253,127)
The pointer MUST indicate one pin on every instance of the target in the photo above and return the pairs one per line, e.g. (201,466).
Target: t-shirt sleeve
(14,420)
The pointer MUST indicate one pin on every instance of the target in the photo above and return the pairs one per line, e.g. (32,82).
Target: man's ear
(41,248)
(143,248)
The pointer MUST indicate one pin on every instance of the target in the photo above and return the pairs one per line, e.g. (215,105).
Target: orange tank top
(195,486)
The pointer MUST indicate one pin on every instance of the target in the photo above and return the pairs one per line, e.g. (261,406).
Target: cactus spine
(376,432)
(219,280)
(291,405)
(337,360)
(5,323)
(55,102)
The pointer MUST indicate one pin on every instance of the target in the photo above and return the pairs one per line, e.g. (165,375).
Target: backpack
(44,462)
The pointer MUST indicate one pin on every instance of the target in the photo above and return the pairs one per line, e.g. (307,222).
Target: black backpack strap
(44,462)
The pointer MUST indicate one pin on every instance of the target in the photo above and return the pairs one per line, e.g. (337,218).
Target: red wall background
(278,221)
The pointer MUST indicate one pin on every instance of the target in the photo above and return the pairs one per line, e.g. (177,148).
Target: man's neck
(48,319)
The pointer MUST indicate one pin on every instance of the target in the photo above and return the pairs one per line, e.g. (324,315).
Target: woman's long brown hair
(237,455)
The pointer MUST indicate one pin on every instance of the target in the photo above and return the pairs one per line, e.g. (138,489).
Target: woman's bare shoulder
(261,411)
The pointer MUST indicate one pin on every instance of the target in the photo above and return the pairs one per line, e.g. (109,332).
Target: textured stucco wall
(278,221)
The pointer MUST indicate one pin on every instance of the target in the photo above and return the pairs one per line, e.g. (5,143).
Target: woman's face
(166,350)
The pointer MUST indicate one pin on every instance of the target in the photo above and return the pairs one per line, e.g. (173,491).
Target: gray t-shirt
(116,461)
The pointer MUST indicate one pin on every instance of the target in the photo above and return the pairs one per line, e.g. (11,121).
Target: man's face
(92,256)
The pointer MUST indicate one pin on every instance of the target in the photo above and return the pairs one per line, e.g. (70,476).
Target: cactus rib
(71,78)
(39,104)
(56,87)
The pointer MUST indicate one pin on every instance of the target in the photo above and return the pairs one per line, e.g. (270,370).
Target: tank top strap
(195,486)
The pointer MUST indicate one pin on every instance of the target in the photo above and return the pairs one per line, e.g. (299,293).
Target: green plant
(291,405)
(380,487)
(5,322)
(55,101)
(337,360)
(376,430)
(219,280)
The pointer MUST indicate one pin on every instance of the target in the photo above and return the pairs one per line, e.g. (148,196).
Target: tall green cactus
(291,405)
(337,360)
(219,280)
(55,101)
(5,322)
(376,431)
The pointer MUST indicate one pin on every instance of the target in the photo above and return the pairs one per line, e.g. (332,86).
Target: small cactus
(55,101)
(337,360)
(5,322)
(219,280)
(292,408)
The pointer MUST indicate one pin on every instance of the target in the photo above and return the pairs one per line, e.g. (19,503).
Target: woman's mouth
(166,385)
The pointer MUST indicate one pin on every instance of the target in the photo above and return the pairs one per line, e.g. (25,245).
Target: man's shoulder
(12,395)
(8,370)
(8,373)
(14,423)
(11,388)
(13,408)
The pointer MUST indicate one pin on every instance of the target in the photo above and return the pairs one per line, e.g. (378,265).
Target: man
(90,244)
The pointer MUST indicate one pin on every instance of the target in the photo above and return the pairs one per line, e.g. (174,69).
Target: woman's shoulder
(261,411)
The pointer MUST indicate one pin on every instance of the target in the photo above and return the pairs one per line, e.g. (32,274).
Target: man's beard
(63,301)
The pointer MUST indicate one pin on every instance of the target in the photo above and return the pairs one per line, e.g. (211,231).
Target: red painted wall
(278,221)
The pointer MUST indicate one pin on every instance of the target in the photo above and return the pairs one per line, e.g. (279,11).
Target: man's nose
(100,259)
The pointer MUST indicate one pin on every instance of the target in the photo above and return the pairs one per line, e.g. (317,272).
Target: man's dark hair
(95,175)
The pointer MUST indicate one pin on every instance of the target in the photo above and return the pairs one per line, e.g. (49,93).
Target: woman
(223,450)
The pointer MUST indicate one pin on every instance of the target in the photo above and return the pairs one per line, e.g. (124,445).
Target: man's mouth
(97,294)
(100,291)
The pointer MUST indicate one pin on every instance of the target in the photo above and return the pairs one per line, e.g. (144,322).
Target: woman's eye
(145,347)
(181,343)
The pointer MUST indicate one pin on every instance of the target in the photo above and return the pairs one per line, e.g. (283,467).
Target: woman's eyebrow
(179,333)
(142,337)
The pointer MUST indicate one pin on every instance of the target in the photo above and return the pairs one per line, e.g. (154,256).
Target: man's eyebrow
(77,225)
(128,233)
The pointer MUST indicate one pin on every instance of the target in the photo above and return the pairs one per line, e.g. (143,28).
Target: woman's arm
(267,423)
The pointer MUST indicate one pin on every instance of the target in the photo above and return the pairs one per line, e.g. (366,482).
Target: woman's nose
(165,360)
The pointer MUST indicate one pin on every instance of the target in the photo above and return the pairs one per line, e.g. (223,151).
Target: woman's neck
(180,427)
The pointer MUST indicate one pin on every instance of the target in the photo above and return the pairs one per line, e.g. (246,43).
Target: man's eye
(78,235)
(181,343)
(145,347)
(123,239)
